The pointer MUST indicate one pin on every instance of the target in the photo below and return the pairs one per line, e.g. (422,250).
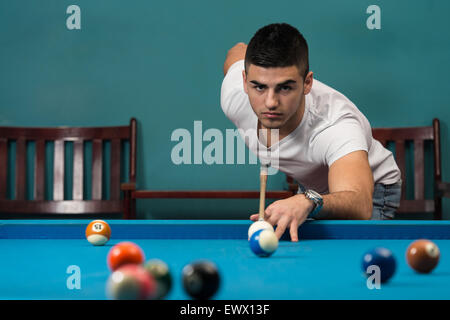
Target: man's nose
(271,99)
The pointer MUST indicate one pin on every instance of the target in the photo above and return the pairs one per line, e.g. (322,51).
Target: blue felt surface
(308,269)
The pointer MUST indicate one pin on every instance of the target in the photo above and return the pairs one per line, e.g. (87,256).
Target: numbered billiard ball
(201,279)
(379,259)
(258,225)
(98,232)
(264,243)
(130,282)
(422,255)
(125,253)
(161,273)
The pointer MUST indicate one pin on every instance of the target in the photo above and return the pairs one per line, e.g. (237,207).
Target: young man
(324,142)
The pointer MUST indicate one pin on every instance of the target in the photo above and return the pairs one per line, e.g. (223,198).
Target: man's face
(277,95)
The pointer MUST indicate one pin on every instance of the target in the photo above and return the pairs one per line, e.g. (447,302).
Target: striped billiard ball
(98,232)
(263,243)
(258,225)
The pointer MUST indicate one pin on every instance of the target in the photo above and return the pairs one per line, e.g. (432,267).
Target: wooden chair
(418,136)
(57,140)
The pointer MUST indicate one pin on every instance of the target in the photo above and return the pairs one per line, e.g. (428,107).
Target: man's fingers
(293,230)
(281,227)
(255,217)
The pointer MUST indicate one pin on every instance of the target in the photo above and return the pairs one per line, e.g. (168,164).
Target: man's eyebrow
(286,82)
(257,83)
(290,81)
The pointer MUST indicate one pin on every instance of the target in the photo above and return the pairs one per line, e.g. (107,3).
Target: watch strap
(318,202)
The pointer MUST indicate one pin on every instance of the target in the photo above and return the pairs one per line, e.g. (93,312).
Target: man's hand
(287,213)
(234,54)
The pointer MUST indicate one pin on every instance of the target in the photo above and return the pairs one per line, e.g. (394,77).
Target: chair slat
(437,150)
(401,163)
(61,207)
(115,170)
(133,150)
(58,171)
(39,170)
(208,194)
(78,168)
(20,169)
(419,170)
(3,167)
(97,164)
(411,133)
(65,133)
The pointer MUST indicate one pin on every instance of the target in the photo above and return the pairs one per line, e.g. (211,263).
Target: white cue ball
(259,225)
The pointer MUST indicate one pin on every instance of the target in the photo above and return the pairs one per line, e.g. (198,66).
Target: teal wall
(161,62)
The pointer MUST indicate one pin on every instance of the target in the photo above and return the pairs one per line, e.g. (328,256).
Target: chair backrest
(23,148)
(418,136)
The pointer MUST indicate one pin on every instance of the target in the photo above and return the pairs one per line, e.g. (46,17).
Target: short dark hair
(278,45)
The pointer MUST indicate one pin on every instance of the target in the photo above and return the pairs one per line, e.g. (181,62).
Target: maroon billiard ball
(131,282)
(422,255)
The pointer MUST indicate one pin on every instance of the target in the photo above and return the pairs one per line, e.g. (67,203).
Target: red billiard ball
(131,282)
(422,255)
(98,232)
(125,253)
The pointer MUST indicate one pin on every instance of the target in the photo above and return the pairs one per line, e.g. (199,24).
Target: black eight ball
(201,279)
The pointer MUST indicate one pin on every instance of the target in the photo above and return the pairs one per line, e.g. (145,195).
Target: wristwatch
(318,202)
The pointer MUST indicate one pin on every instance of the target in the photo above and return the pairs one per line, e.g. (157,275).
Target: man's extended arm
(350,182)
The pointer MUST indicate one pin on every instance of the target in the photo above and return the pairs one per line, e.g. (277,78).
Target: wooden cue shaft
(262,193)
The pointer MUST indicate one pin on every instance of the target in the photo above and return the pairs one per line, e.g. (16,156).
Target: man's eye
(259,88)
(285,88)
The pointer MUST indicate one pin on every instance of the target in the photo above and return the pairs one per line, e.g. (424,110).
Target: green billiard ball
(161,273)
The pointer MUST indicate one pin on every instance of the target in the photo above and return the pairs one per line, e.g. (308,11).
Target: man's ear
(244,78)
(308,83)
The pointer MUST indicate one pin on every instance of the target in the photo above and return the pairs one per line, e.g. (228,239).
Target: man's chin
(271,124)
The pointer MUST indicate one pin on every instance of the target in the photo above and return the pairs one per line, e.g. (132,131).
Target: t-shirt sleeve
(339,139)
(233,97)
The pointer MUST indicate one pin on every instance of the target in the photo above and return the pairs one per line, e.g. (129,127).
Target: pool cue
(262,191)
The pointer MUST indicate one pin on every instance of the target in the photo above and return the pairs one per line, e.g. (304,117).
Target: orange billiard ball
(422,255)
(98,232)
(125,253)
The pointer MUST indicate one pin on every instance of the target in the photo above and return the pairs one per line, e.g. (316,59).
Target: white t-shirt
(331,127)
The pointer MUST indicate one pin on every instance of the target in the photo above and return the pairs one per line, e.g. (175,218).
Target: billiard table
(51,259)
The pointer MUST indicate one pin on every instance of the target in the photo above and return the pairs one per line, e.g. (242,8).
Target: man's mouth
(271,115)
